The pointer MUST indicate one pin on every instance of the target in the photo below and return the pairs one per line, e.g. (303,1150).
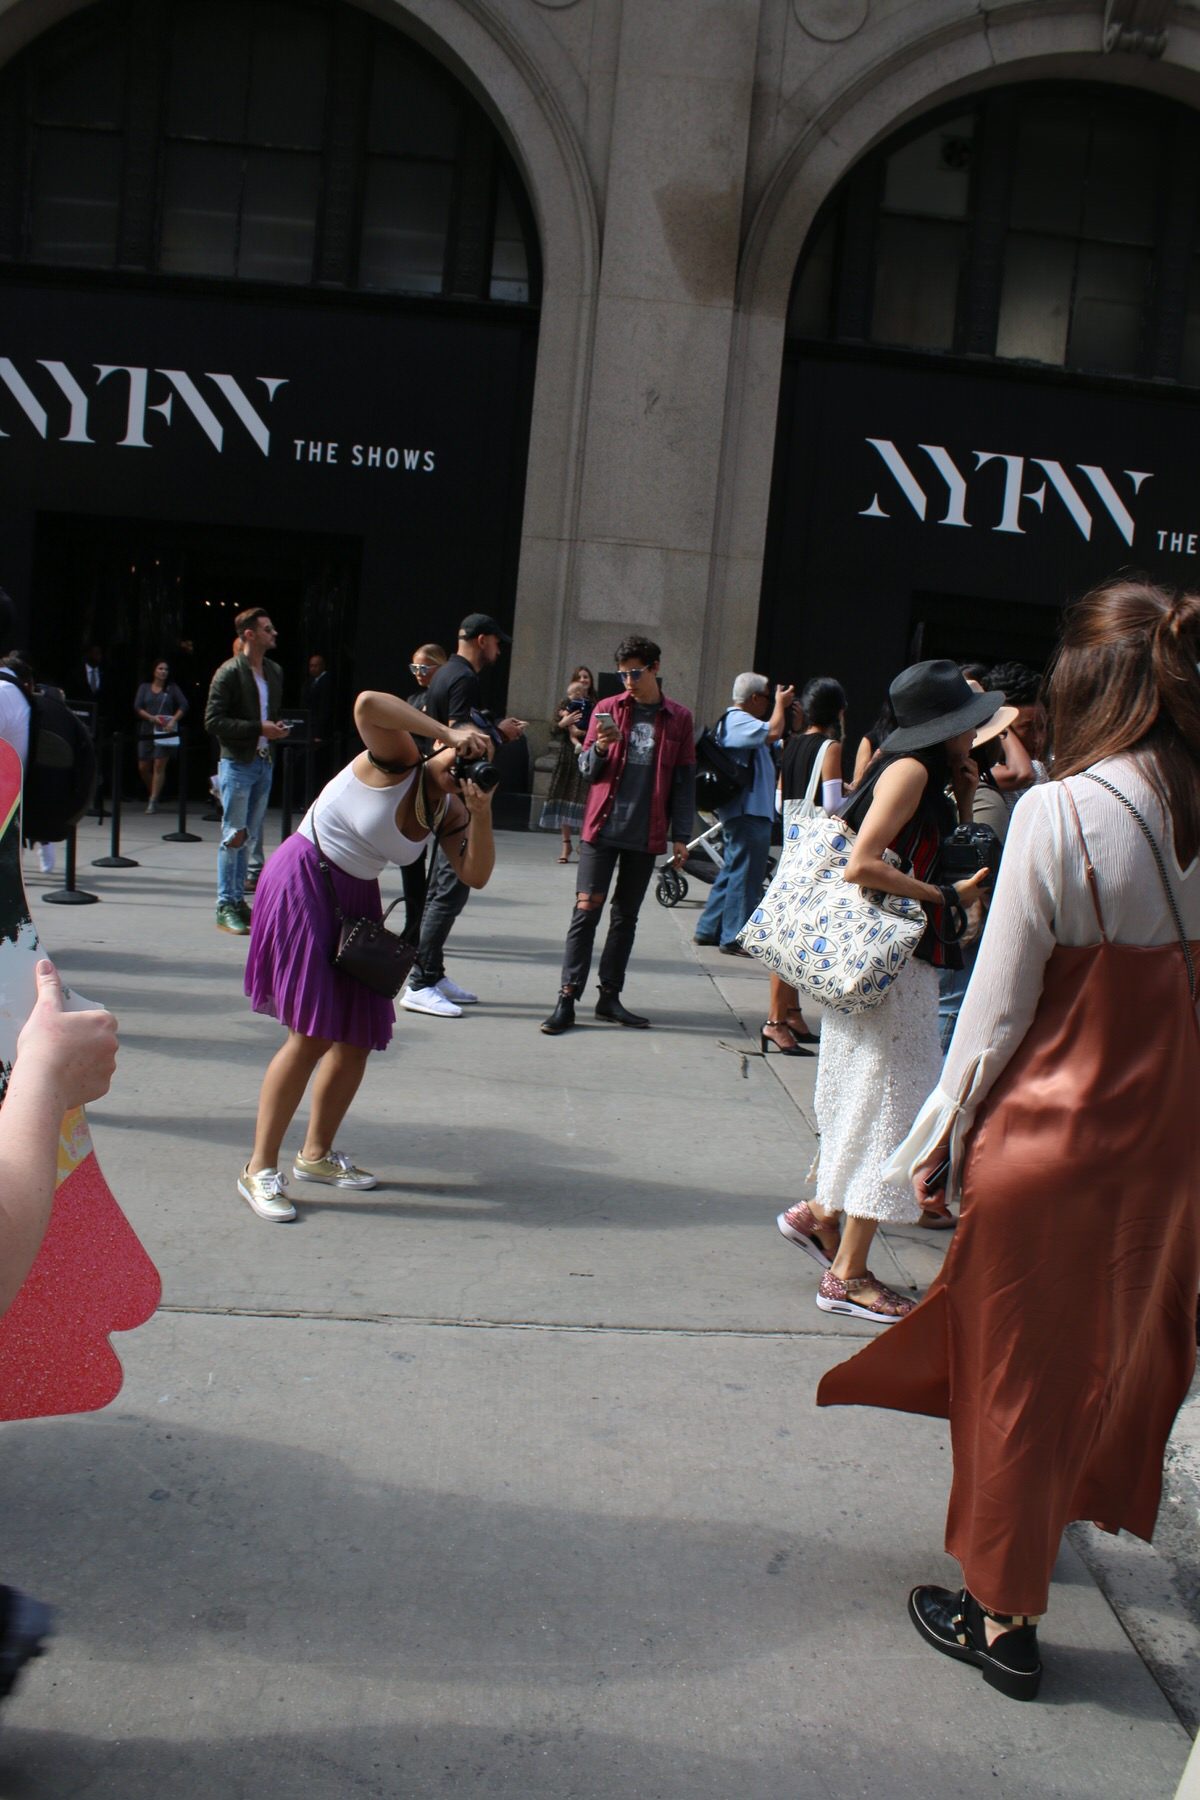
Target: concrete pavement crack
(479,1324)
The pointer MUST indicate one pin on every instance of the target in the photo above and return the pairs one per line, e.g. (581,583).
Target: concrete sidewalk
(507,1477)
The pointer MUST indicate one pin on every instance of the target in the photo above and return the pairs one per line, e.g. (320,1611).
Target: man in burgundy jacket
(639,756)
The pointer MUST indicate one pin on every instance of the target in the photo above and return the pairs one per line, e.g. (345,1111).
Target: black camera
(478,769)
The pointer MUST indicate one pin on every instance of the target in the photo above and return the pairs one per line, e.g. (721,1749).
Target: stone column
(671,213)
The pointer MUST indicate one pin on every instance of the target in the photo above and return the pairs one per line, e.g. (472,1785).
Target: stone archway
(871,93)
(517,77)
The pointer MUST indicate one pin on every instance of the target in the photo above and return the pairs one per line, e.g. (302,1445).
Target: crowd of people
(995,1089)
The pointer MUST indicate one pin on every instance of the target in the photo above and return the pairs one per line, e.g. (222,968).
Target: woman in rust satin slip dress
(1059,1339)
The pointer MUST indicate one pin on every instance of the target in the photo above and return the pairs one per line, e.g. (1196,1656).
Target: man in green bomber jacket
(244,698)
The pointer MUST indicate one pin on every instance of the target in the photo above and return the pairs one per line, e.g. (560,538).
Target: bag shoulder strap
(1160,865)
(814,780)
(338,911)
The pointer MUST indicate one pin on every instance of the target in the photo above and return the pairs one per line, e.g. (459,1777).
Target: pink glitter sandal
(837,1296)
(800,1226)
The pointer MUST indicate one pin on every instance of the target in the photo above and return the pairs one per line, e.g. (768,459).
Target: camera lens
(483,773)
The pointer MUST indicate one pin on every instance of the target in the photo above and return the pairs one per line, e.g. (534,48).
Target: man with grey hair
(749,727)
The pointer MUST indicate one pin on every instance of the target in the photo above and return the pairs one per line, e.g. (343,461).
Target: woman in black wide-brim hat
(876,1067)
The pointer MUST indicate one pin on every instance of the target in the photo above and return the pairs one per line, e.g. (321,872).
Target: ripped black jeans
(594,876)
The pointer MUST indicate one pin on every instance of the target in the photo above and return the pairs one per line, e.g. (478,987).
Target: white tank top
(357,825)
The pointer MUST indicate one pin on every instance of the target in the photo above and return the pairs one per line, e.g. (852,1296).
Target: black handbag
(721,774)
(366,950)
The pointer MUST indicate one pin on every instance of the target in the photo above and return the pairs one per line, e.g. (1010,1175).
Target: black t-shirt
(454,693)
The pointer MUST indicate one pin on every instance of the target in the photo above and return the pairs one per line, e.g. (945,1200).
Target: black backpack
(60,769)
(721,774)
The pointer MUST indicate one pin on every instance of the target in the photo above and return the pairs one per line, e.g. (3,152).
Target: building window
(1043,224)
(283,142)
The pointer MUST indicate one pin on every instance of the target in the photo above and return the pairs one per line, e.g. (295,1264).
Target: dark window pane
(405,213)
(1190,371)
(279,216)
(1123,176)
(76,198)
(931,177)
(1049,169)
(412,112)
(1110,298)
(86,86)
(287,82)
(813,296)
(1035,298)
(510,257)
(201,189)
(917,266)
(210,71)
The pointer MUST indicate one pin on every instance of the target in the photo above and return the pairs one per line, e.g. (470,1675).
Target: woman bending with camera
(383,807)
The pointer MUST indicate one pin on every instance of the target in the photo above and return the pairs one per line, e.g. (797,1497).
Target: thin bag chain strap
(1161,866)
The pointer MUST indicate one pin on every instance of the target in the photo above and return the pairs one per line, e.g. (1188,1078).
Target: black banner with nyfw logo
(398,433)
(924,511)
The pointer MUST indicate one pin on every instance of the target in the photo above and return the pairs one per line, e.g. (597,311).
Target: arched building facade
(639,414)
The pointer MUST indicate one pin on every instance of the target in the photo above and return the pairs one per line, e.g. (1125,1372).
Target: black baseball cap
(482,625)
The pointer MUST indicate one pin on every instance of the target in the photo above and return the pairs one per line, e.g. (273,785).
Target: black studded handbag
(366,950)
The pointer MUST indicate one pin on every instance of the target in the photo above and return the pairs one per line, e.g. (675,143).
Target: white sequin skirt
(875,1072)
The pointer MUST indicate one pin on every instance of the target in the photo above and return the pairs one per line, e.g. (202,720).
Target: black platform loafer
(608,1006)
(562,1018)
(953,1624)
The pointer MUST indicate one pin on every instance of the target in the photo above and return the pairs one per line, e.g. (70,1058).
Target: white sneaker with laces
(430,1000)
(266,1192)
(461,996)
(335,1170)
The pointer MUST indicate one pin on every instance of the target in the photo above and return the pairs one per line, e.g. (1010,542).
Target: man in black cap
(454,697)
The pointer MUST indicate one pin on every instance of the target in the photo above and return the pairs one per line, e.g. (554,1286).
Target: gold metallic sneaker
(266,1192)
(335,1170)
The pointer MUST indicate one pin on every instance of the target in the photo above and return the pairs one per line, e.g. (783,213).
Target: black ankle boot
(563,1016)
(608,1006)
(953,1623)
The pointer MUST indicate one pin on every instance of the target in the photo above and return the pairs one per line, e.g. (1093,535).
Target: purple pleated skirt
(289,974)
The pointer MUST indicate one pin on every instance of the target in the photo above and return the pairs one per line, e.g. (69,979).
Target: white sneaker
(430,1000)
(266,1192)
(460,995)
(335,1170)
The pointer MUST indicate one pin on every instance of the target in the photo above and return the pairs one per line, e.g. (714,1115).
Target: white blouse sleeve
(1005,987)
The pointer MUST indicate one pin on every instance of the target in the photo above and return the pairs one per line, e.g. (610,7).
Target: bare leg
(338,1080)
(777,1027)
(785,1004)
(160,777)
(146,771)
(857,1237)
(283,1088)
(566,843)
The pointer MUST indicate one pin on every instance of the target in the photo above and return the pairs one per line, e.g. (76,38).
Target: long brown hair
(1125,679)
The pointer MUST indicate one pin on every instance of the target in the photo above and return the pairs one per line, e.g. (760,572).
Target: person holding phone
(242,713)
(159,706)
(563,810)
(639,761)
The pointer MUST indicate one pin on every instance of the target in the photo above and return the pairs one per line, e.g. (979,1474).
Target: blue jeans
(952,991)
(245,789)
(738,888)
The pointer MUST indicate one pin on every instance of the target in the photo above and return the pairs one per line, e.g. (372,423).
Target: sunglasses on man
(631,674)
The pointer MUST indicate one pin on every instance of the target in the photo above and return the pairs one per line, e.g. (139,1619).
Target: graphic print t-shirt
(628,826)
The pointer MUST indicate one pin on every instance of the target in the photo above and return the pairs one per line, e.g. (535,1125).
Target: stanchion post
(285,793)
(181,835)
(69,894)
(114,859)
